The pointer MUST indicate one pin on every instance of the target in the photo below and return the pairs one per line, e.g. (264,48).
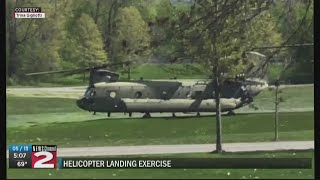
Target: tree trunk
(110,21)
(129,73)
(276,115)
(12,64)
(97,11)
(218,116)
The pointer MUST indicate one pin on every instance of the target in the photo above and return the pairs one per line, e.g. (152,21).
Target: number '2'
(39,164)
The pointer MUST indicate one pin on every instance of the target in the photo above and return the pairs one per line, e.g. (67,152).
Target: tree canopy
(84,46)
(86,33)
(132,39)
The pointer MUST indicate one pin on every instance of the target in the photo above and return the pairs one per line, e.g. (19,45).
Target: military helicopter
(107,94)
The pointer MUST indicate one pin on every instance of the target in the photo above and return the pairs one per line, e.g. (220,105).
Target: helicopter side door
(106,99)
(113,101)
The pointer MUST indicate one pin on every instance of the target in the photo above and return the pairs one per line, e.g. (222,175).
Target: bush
(12,81)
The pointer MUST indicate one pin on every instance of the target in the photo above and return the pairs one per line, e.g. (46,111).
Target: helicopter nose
(82,103)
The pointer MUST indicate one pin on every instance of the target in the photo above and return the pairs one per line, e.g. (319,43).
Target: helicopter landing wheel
(231,113)
(146,115)
(109,114)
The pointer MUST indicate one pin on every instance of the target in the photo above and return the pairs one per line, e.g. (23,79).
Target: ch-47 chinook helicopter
(107,94)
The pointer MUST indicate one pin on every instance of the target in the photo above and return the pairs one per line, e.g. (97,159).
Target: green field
(33,108)
(179,173)
(131,131)
(30,118)
(41,119)
(299,98)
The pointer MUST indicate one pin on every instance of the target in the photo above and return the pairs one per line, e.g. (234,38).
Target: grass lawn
(132,131)
(179,173)
(39,105)
(25,109)
(52,120)
(29,119)
(295,98)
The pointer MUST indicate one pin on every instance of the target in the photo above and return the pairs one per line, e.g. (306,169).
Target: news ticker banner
(28,12)
(32,156)
(187,163)
(45,156)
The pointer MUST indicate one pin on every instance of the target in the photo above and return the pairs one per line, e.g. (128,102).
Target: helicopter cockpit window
(201,83)
(164,95)
(138,94)
(91,92)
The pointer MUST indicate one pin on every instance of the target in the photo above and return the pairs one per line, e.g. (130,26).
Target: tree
(276,114)
(84,46)
(163,41)
(263,31)
(132,38)
(35,41)
(296,24)
(213,33)
(19,32)
(111,8)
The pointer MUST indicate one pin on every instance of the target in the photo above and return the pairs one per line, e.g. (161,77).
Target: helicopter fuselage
(168,96)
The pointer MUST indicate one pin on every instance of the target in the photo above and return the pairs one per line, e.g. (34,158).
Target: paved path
(183,148)
(82,88)
(48,89)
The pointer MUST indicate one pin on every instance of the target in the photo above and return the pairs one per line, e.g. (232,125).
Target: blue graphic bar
(60,163)
(20,148)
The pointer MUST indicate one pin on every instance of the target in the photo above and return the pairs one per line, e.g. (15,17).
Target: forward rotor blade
(81,70)
(72,71)
(284,46)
